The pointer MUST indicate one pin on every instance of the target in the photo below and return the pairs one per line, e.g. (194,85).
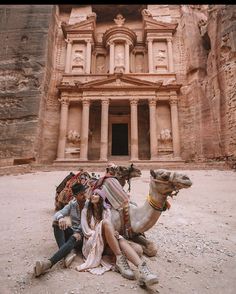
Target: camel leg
(149,247)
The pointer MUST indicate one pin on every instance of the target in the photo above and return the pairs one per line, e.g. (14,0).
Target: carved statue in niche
(139,60)
(100,64)
(119,59)
(73,136)
(119,20)
(161,55)
(78,61)
(165,136)
(78,58)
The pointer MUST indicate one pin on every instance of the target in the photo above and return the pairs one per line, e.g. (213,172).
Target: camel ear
(153,174)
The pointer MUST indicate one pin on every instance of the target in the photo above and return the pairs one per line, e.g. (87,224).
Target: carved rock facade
(137,82)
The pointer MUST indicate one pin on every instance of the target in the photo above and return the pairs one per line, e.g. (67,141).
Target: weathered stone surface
(33,61)
(23,60)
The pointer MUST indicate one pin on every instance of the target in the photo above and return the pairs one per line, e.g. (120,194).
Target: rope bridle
(154,204)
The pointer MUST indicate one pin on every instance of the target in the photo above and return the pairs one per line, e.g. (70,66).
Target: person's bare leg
(146,277)
(122,265)
(129,252)
(109,234)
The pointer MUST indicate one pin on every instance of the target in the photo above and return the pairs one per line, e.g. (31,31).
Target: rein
(128,179)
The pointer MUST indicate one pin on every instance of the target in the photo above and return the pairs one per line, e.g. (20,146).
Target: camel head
(166,182)
(128,172)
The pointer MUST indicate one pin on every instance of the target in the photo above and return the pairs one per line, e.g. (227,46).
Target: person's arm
(59,216)
(63,212)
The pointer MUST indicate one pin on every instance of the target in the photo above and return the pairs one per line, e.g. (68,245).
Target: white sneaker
(146,278)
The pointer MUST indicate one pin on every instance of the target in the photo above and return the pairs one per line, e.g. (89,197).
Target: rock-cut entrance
(119,139)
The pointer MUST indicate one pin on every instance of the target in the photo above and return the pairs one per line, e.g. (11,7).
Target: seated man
(68,237)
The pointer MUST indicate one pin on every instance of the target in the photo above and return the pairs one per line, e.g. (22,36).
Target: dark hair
(77,188)
(91,211)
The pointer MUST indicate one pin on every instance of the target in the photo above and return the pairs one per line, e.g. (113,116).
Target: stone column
(63,128)
(134,129)
(84,130)
(175,125)
(127,69)
(112,53)
(153,129)
(68,56)
(104,130)
(170,55)
(150,56)
(88,57)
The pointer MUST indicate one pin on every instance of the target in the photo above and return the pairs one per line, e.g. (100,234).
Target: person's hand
(62,224)
(116,234)
(77,236)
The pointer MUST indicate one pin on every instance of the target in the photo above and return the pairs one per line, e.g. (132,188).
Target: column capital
(134,101)
(68,41)
(149,39)
(86,101)
(152,102)
(169,40)
(127,42)
(105,101)
(110,43)
(173,96)
(173,101)
(64,100)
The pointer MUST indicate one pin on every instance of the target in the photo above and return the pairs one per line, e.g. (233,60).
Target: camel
(163,183)
(124,174)
(64,193)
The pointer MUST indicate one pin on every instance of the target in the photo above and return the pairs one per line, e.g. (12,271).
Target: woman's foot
(146,277)
(123,267)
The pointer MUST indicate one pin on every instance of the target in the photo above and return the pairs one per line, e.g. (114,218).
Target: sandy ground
(196,238)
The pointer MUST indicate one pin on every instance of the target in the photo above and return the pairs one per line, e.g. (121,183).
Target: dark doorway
(119,139)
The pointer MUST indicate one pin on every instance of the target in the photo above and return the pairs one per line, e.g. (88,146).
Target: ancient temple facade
(88,84)
(118,93)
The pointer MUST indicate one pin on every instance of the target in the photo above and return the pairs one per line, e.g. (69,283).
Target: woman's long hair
(91,211)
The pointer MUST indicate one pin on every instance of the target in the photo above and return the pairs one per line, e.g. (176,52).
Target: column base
(83,159)
(103,159)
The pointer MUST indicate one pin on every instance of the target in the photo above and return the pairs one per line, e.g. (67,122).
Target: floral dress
(93,245)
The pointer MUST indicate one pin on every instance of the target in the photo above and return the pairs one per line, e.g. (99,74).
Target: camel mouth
(185,183)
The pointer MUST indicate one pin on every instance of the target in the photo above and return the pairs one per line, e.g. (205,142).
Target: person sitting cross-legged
(68,237)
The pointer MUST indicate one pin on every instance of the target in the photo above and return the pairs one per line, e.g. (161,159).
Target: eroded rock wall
(208,121)
(23,78)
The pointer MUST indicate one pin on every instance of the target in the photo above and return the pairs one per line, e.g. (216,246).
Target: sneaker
(146,278)
(123,268)
(41,267)
(69,258)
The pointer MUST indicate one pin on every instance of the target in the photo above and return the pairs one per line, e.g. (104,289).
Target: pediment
(85,25)
(120,82)
(152,24)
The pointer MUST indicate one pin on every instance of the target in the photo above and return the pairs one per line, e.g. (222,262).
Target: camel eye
(165,177)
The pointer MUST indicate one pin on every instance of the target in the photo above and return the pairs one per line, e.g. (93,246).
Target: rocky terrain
(196,238)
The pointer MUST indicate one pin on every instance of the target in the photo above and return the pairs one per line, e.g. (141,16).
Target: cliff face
(32,60)
(208,102)
(23,78)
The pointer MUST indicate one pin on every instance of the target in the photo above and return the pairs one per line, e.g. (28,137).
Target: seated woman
(98,234)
